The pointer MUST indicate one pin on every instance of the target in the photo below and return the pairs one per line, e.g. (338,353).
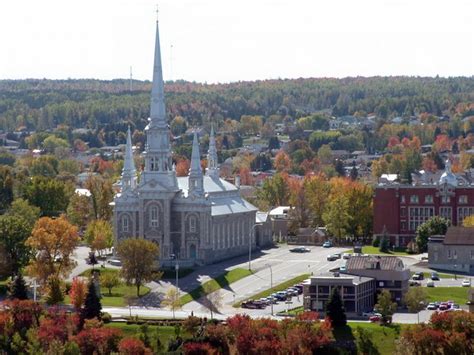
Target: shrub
(376,242)
(133,346)
(106,317)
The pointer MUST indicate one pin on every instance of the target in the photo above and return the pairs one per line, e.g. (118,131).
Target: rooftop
(375,262)
(459,236)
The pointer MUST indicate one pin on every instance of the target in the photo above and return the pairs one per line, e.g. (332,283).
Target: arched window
(154,221)
(192,224)
(125,224)
(154,164)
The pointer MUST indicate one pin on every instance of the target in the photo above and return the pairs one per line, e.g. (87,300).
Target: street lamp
(176,267)
(271,285)
(250,243)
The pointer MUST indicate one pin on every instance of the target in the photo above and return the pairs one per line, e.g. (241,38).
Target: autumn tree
(53,242)
(415,299)
(109,280)
(21,208)
(275,191)
(282,162)
(172,300)
(77,293)
(468,221)
(101,195)
(80,211)
(50,195)
(317,190)
(99,235)
(336,216)
(139,257)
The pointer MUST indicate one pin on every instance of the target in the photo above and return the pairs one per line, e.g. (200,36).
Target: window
(449,254)
(154,164)
(404,226)
(464,212)
(154,217)
(446,212)
(455,254)
(414,199)
(403,212)
(403,199)
(472,254)
(463,199)
(419,215)
(445,199)
(125,225)
(192,224)
(429,199)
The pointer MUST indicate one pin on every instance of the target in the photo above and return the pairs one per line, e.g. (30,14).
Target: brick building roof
(459,236)
(374,262)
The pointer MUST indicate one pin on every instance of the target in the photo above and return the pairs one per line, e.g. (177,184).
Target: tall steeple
(129,173)
(212,167)
(195,183)
(158,163)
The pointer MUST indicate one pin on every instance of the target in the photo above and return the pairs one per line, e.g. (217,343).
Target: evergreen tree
(354,173)
(18,288)
(55,294)
(92,306)
(339,167)
(384,244)
(335,309)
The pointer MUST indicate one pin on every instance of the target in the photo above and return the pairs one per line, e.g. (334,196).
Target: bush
(376,242)
(106,317)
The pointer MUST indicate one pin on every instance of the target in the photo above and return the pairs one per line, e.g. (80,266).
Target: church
(197,219)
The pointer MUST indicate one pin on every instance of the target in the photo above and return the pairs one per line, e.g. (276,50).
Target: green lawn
(219,282)
(383,338)
(276,288)
(368,249)
(440,294)
(117,298)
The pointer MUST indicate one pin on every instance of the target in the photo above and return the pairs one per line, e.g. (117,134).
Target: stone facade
(198,219)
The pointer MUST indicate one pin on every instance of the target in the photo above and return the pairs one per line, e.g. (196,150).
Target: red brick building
(400,208)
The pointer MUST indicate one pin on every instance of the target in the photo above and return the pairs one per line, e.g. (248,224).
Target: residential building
(399,208)
(357,292)
(453,251)
(389,272)
(195,219)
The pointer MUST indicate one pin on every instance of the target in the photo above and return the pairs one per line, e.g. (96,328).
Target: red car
(375,319)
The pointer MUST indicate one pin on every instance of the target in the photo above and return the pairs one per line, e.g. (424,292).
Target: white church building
(197,219)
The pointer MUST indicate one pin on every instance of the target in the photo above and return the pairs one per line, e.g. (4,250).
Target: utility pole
(271,285)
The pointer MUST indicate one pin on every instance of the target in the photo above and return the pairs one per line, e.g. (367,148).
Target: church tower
(158,163)
(212,167)
(129,173)
(195,183)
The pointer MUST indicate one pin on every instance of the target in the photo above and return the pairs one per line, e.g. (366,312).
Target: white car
(346,256)
(466,283)
(371,314)
(115,262)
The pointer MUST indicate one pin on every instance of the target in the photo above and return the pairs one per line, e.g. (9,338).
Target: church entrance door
(192,251)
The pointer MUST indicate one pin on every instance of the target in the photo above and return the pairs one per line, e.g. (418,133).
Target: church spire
(157,105)
(195,172)
(212,168)
(129,173)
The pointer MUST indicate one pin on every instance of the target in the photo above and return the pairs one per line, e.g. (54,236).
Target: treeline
(45,104)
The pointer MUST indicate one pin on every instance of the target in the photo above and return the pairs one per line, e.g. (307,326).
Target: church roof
(229,205)
(211,185)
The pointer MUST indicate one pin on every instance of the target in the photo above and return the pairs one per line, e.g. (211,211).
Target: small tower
(212,167)
(129,173)
(195,178)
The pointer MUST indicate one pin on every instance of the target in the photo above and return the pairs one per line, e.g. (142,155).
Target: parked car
(375,319)
(444,306)
(299,287)
(300,250)
(414,283)
(418,276)
(327,244)
(338,255)
(346,256)
(466,283)
(332,257)
(115,262)
(430,283)
(432,306)
(434,276)
(292,291)
(343,268)
(371,314)
(251,304)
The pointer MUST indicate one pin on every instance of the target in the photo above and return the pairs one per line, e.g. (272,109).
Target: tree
(415,299)
(21,208)
(101,195)
(273,143)
(468,221)
(139,257)
(18,288)
(384,243)
(282,162)
(365,343)
(53,242)
(335,216)
(14,232)
(80,211)
(385,306)
(275,191)
(434,226)
(335,309)
(55,292)
(6,186)
(78,293)
(50,195)
(129,346)
(172,300)
(109,280)
(212,300)
(99,235)
(92,306)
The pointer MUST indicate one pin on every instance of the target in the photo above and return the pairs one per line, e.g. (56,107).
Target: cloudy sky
(232,40)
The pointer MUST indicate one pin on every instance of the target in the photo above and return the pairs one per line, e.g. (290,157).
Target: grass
(292,312)
(119,293)
(219,282)
(368,249)
(440,294)
(165,333)
(383,338)
(276,288)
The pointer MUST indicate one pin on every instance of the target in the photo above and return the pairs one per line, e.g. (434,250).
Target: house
(453,251)
(280,218)
(357,292)
(309,236)
(389,272)
(264,232)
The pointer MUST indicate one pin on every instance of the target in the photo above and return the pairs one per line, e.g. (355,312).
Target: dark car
(418,276)
(434,276)
(300,250)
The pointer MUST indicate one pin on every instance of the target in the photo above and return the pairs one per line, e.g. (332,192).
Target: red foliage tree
(98,340)
(78,293)
(56,326)
(198,349)
(133,346)
(24,314)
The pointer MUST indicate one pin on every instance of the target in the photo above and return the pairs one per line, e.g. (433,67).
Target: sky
(235,40)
